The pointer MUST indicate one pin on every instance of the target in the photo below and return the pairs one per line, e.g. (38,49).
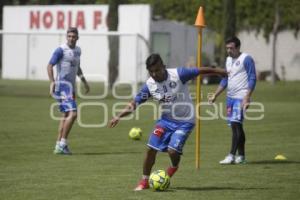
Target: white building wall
(32,33)
(134,20)
(288,52)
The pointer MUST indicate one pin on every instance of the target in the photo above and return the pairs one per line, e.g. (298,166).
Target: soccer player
(169,87)
(240,84)
(67,61)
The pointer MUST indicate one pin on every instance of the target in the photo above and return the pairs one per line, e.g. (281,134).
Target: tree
(266,16)
(275,33)
(113,41)
(269,17)
(113,62)
(258,15)
(229,25)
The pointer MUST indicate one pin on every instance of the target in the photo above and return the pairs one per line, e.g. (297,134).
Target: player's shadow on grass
(106,153)
(263,162)
(213,188)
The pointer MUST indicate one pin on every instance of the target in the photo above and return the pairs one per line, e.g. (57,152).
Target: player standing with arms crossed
(240,84)
(169,87)
(67,59)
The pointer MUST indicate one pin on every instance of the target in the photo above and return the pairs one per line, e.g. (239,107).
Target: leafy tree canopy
(256,15)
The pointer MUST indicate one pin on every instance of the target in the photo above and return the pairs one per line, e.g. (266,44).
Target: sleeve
(224,82)
(143,95)
(56,56)
(186,74)
(250,69)
(79,49)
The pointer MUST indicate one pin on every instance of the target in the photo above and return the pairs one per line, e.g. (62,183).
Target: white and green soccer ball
(135,133)
(159,180)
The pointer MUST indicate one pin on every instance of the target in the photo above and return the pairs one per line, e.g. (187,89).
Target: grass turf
(107,165)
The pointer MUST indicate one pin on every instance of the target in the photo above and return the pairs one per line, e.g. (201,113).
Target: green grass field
(107,165)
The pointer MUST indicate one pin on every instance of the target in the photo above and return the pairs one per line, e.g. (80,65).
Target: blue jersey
(241,76)
(172,94)
(68,62)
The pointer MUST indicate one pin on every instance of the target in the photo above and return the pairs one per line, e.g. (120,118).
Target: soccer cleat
(228,160)
(240,160)
(62,150)
(66,151)
(143,184)
(171,171)
(57,151)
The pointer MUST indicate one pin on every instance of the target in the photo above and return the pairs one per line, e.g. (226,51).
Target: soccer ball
(159,180)
(135,133)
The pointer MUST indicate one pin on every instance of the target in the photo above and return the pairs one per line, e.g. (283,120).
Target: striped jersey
(67,61)
(172,94)
(241,76)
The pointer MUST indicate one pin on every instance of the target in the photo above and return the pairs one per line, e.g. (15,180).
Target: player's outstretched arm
(213,71)
(127,110)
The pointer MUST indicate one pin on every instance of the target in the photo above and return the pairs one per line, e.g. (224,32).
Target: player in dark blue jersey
(240,84)
(67,61)
(169,87)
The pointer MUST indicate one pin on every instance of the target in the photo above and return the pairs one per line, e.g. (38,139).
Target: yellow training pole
(200,23)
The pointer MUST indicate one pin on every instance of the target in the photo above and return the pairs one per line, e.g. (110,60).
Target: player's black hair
(153,59)
(72,30)
(234,40)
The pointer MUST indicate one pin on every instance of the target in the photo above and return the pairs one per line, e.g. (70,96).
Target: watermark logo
(182,109)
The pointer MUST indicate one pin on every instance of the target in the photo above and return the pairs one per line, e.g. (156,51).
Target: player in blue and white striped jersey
(67,61)
(240,84)
(168,87)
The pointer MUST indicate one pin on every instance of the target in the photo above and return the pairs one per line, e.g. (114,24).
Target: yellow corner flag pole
(199,23)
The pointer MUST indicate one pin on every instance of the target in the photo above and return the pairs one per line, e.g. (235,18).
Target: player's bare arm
(127,110)
(213,71)
(246,100)
(51,78)
(82,78)
(213,97)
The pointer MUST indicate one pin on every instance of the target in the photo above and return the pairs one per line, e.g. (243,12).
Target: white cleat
(240,160)
(228,160)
